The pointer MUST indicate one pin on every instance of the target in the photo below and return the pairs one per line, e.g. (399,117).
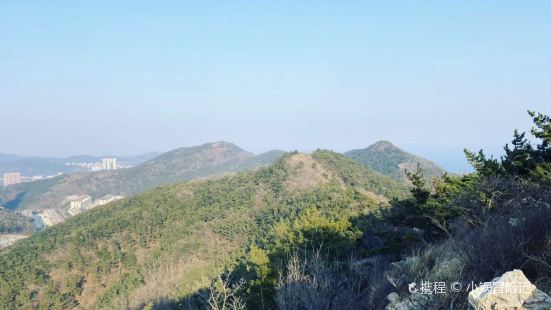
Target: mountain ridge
(145,246)
(177,165)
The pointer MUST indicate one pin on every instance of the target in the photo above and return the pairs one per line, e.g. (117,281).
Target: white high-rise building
(109,163)
(12,178)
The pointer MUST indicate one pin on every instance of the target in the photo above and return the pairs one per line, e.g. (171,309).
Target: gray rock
(510,291)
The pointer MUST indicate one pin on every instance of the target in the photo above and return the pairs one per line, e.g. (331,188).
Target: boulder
(510,291)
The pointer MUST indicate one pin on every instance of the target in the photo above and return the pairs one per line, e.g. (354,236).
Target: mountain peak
(382,145)
(226,146)
(222,143)
(388,159)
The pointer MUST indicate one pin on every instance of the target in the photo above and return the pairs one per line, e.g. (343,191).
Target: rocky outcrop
(510,291)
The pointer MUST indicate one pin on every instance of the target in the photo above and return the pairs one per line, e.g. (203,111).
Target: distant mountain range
(178,165)
(388,159)
(161,245)
(181,164)
(209,220)
(34,165)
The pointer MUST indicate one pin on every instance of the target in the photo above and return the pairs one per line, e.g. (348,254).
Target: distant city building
(109,163)
(74,211)
(27,213)
(107,199)
(78,204)
(51,217)
(11,178)
(33,178)
(92,166)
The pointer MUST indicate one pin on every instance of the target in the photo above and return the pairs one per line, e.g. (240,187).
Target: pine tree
(542,154)
(420,191)
(483,166)
(542,129)
(518,159)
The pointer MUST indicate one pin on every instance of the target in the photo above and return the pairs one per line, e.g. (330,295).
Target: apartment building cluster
(27,213)
(79,204)
(107,199)
(107,163)
(48,217)
(51,217)
(90,166)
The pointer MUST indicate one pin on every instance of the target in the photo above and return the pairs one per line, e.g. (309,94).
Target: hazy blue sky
(128,77)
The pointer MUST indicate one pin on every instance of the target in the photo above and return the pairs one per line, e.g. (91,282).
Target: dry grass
(159,282)
(306,173)
(316,283)
(185,274)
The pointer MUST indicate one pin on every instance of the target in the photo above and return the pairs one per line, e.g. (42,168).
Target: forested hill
(162,247)
(177,165)
(11,222)
(390,160)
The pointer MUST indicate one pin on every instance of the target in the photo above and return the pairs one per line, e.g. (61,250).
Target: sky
(130,77)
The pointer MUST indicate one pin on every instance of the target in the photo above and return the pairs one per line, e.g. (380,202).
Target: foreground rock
(510,291)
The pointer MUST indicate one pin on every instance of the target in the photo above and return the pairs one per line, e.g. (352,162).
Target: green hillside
(174,166)
(390,160)
(164,246)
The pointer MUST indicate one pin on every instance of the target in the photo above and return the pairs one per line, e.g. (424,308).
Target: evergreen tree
(542,130)
(420,191)
(542,154)
(483,166)
(518,159)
